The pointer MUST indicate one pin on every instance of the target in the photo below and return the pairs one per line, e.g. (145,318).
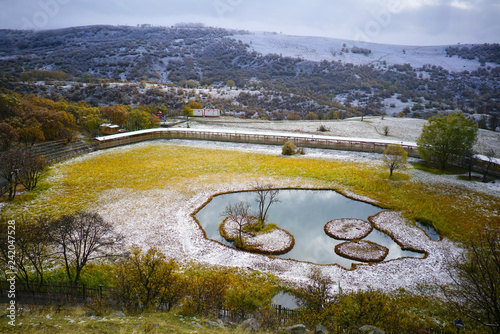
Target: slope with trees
(212,56)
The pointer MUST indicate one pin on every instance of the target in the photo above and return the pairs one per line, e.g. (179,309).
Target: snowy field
(322,48)
(163,218)
(405,130)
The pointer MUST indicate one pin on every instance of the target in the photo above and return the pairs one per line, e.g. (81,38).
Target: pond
(430,231)
(304,214)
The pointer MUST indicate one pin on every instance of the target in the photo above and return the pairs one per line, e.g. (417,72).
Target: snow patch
(382,55)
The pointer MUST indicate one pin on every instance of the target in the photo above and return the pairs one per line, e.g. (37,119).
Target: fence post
(100,291)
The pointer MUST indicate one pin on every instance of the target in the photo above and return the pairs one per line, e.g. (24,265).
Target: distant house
(206,113)
(109,129)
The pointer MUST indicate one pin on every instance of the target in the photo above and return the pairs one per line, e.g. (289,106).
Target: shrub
(206,291)
(247,296)
(289,148)
(213,288)
(148,281)
(318,304)
(323,128)
(475,290)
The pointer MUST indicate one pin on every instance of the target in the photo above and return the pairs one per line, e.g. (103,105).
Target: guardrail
(270,138)
(300,140)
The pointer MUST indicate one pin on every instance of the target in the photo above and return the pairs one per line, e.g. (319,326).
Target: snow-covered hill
(322,48)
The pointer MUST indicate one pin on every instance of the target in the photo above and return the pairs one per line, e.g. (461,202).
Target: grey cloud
(428,23)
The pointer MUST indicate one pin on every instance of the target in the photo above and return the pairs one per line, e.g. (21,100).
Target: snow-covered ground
(163,218)
(274,242)
(323,48)
(404,130)
(348,228)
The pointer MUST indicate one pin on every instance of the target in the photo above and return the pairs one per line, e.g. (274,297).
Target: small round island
(365,251)
(348,229)
(353,230)
(268,240)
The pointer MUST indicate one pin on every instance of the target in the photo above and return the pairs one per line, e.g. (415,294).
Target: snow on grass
(323,48)
(405,130)
(348,228)
(161,217)
(276,241)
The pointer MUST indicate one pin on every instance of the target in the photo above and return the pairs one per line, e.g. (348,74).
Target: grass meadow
(77,184)
(84,183)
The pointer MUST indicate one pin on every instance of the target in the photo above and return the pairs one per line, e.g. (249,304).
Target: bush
(323,128)
(213,288)
(148,281)
(206,291)
(397,312)
(475,290)
(289,148)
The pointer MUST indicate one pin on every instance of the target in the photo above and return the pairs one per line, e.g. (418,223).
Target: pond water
(304,214)
(430,231)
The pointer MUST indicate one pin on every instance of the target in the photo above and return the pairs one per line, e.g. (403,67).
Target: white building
(206,113)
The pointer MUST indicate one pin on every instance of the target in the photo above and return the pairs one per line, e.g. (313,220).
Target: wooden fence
(300,140)
(51,293)
(67,294)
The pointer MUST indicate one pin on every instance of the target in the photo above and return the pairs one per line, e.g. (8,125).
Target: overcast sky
(408,22)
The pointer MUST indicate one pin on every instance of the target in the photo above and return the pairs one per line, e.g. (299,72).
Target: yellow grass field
(77,184)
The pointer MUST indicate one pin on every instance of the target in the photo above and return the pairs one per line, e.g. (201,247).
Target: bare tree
(476,280)
(10,165)
(386,130)
(83,237)
(266,196)
(239,215)
(490,154)
(32,253)
(32,168)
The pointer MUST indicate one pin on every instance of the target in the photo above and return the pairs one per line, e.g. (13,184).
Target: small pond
(304,214)
(430,231)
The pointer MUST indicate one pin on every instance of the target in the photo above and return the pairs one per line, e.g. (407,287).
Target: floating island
(355,249)
(348,228)
(362,250)
(272,240)
(269,240)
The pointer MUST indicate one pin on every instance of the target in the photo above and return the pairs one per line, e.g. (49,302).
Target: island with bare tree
(251,232)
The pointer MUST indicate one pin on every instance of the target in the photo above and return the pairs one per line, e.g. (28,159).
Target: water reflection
(304,213)
(430,231)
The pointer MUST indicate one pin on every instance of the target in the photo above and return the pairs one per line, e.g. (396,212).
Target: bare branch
(266,196)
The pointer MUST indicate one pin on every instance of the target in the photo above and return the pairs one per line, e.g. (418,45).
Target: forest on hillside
(194,57)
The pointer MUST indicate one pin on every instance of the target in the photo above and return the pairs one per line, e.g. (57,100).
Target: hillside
(381,55)
(299,75)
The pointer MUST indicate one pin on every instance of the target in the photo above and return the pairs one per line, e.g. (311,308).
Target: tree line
(211,57)
(29,119)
